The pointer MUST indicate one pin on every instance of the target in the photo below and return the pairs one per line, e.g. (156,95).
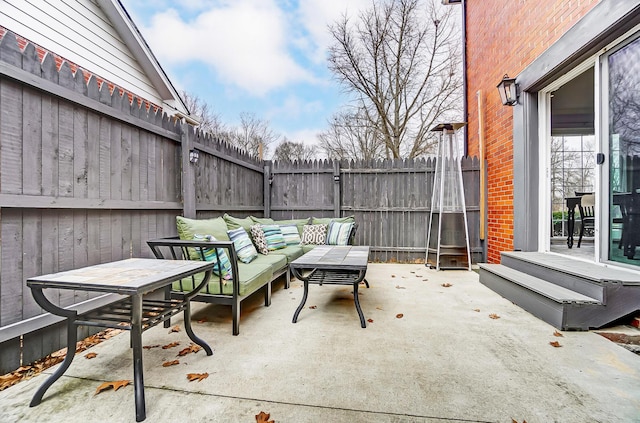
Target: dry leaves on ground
(494,316)
(399,316)
(197,376)
(115,385)
(313,307)
(203,320)
(477,310)
(175,328)
(171,345)
(170,363)
(447,284)
(370,320)
(555,344)
(264,418)
(515,421)
(148,347)
(558,334)
(193,348)
(90,355)
(27,372)
(393,276)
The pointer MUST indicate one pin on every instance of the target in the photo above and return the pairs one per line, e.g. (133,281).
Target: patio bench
(243,279)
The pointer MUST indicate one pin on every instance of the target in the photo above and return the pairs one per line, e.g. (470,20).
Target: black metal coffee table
(332,265)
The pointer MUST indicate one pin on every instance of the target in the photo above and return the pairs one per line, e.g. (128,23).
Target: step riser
(574,283)
(540,306)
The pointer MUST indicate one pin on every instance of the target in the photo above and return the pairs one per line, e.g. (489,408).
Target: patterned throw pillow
(222,264)
(273,234)
(338,233)
(314,234)
(243,245)
(290,234)
(259,239)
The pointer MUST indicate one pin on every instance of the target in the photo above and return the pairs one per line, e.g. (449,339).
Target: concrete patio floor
(444,360)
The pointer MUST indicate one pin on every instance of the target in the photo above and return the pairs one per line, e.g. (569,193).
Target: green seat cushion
(236,222)
(292,252)
(252,276)
(327,220)
(276,261)
(187,228)
(308,247)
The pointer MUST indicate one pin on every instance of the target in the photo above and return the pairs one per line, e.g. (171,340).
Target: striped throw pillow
(290,234)
(243,245)
(221,259)
(338,233)
(273,234)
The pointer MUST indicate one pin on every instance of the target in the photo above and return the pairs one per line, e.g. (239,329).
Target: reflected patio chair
(587,209)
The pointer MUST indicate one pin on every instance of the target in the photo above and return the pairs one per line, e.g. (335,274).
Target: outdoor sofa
(239,272)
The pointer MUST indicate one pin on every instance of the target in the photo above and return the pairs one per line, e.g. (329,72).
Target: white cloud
(294,107)
(244,41)
(317,15)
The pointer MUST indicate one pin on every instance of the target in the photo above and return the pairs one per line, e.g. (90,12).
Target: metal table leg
(72,339)
(136,340)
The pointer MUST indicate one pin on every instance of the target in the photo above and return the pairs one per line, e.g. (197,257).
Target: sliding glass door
(621,99)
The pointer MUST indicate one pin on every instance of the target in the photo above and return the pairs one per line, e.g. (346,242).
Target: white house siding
(79,31)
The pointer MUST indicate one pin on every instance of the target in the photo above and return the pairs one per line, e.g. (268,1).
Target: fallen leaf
(418,276)
(115,385)
(171,345)
(412,271)
(264,418)
(176,328)
(558,334)
(393,276)
(494,316)
(447,284)
(313,307)
(476,310)
(148,347)
(400,287)
(399,316)
(555,344)
(193,348)
(170,363)
(378,308)
(203,320)
(370,320)
(197,376)
(90,355)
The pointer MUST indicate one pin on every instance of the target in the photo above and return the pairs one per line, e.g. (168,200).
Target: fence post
(188,173)
(267,188)
(337,192)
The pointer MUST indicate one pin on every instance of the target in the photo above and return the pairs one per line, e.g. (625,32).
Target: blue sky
(266,57)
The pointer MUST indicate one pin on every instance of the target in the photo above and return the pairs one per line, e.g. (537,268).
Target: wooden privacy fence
(390,199)
(87,177)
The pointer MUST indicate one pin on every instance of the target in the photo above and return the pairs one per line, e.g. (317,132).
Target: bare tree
(403,63)
(209,120)
(294,151)
(350,136)
(253,135)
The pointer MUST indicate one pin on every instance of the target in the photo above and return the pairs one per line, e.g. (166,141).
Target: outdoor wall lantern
(194,156)
(508,90)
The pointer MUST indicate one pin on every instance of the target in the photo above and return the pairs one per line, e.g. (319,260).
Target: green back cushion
(298,222)
(236,222)
(262,220)
(187,228)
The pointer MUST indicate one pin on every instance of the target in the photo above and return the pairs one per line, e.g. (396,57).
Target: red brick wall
(505,37)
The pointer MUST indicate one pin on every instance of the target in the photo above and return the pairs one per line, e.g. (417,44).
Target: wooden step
(561,307)
(540,286)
